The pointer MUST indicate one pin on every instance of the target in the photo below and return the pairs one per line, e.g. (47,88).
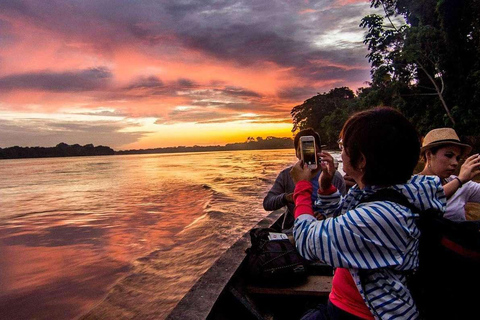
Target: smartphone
(308,151)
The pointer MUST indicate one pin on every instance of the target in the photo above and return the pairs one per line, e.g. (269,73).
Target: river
(127,235)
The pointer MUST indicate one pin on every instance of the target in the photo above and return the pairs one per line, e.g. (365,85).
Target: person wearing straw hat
(441,151)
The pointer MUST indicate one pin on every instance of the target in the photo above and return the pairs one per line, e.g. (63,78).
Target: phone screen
(308,150)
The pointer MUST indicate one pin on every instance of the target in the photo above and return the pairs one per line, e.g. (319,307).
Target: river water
(122,237)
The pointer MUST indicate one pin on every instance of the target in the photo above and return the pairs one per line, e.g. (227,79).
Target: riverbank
(76,150)
(60,150)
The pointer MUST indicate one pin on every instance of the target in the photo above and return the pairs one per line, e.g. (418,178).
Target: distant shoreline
(65,150)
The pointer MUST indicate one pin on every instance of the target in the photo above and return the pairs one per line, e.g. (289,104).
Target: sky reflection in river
(72,228)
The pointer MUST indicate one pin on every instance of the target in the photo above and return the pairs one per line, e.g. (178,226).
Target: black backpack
(446,284)
(273,260)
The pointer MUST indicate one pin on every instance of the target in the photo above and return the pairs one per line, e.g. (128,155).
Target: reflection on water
(140,228)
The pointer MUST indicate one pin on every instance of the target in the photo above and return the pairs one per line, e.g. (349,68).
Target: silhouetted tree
(427,66)
(325,113)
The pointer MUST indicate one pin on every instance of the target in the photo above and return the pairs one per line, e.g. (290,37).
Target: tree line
(60,150)
(75,150)
(424,58)
(250,144)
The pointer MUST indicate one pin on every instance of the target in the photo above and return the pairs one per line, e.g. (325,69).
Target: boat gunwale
(200,299)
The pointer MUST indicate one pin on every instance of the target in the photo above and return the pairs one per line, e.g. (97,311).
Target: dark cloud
(219,112)
(255,120)
(338,73)
(275,31)
(222,93)
(153,82)
(217,94)
(244,106)
(296,93)
(69,81)
(245,32)
(286,120)
(238,92)
(47,133)
(101,127)
(146,83)
(196,115)
(235,97)
(14,5)
(240,107)
(5,27)
(185,83)
(244,44)
(152,86)
(105,113)
(214,113)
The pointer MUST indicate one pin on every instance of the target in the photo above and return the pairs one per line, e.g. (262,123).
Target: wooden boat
(224,291)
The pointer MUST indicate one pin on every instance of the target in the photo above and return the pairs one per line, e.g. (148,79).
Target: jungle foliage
(424,58)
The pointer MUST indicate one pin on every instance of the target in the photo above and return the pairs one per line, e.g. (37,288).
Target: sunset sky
(134,74)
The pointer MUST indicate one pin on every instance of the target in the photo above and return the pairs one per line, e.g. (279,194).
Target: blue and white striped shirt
(380,237)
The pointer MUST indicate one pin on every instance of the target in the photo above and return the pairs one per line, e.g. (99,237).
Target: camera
(308,151)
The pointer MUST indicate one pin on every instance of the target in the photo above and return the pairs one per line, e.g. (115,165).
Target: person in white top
(442,151)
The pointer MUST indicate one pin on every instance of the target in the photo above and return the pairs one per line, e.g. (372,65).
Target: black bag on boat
(447,281)
(273,260)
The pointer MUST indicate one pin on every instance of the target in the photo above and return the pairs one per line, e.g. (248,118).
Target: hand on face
(470,168)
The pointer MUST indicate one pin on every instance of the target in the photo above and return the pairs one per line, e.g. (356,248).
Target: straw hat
(443,136)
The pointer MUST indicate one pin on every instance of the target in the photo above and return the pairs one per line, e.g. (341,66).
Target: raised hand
(328,170)
(470,168)
(301,172)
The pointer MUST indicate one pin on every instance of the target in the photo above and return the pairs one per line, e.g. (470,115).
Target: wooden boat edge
(200,299)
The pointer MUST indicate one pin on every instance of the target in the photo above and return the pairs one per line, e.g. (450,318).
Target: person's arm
(473,189)
(451,187)
(469,170)
(339,183)
(328,202)
(361,238)
(276,198)
(303,198)
(356,239)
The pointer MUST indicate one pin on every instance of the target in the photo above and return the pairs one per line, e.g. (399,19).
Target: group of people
(380,149)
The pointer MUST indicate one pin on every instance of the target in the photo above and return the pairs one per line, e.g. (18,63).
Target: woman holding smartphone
(374,244)
(441,151)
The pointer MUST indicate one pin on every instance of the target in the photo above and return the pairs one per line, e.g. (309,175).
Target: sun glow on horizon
(190,134)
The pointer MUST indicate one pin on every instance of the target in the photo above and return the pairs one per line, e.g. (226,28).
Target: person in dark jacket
(281,193)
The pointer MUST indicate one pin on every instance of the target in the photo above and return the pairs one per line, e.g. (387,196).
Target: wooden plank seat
(315,285)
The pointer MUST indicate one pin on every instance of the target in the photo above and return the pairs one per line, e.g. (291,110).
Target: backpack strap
(425,216)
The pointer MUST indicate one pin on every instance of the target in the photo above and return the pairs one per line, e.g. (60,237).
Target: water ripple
(134,231)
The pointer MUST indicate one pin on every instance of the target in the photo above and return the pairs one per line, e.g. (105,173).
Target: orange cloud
(151,66)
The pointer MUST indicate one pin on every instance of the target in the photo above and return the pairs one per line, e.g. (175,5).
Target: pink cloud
(151,59)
